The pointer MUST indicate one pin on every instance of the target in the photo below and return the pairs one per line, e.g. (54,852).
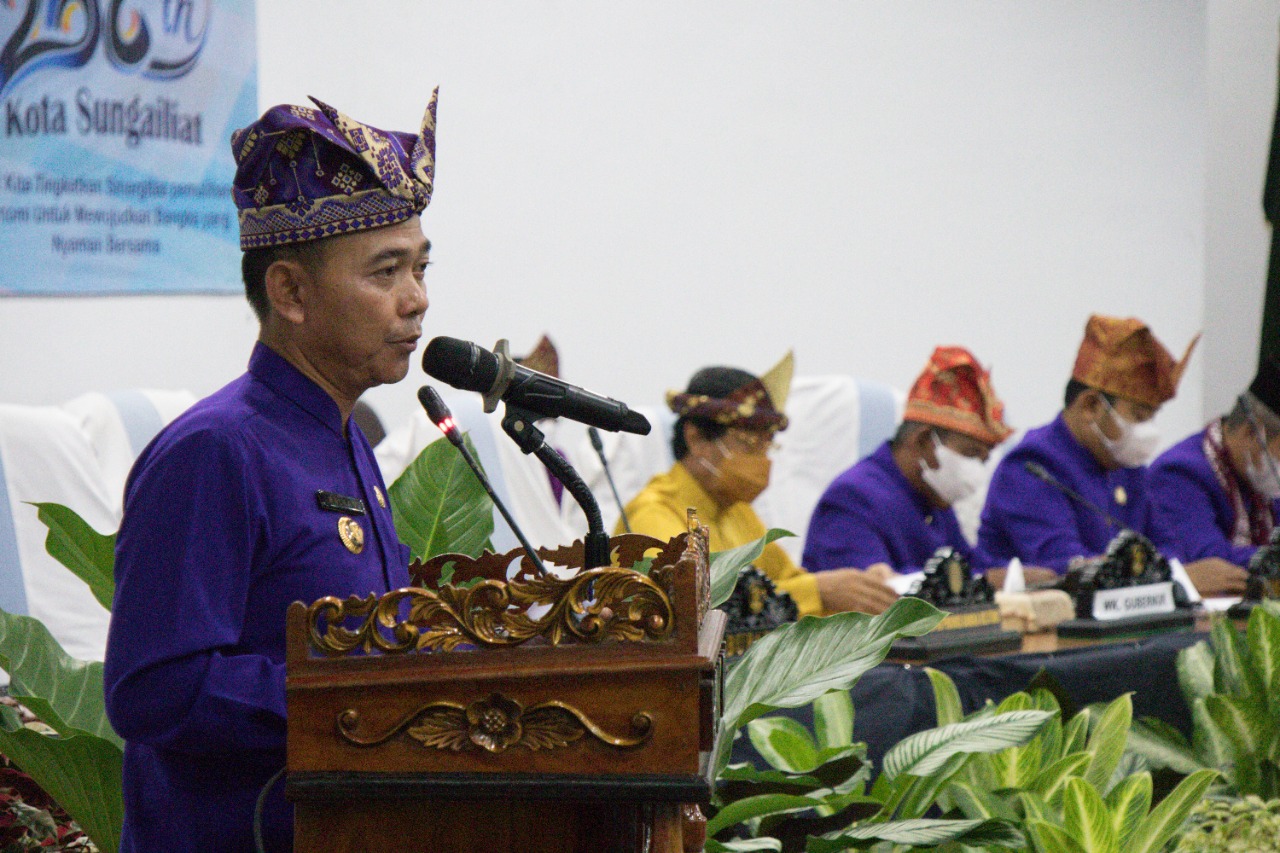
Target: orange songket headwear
(1122,357)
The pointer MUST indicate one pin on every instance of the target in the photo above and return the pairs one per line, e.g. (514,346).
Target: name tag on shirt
(1133,601)
(334,502)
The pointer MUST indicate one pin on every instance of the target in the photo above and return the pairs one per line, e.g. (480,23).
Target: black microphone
(598,444)
(1039,471)
(465,365)
(440,415)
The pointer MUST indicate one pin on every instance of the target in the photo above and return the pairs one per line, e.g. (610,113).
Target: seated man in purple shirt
(266,492)
(1216,491)
(1070,486)
(893,508)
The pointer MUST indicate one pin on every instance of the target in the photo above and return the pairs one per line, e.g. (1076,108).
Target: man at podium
(893,508)
(1070,486)
(723,433)
(266,492)
(1216,491)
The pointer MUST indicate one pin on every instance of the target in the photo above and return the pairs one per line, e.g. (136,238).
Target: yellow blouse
(660,511)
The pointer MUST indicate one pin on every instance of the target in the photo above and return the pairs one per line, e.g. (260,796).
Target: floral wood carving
(496,724)
(591,606)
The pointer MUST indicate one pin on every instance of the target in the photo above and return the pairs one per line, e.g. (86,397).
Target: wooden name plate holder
(535,713)
(1128,592)
(972,625)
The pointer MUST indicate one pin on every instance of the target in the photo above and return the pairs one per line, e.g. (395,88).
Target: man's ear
(693,436)
(285,281)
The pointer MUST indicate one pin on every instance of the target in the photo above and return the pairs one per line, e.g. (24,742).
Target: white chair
(78,455)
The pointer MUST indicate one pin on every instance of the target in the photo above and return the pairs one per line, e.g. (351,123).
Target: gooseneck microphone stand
(519,424)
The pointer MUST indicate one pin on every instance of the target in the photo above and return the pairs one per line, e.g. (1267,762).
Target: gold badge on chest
(1122,497)
(351,534)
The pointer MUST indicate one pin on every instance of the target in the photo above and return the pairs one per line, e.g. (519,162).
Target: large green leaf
(81,773)
(765,804)
(795,664)
(833,719)
(743,845)
(1162,745)
(724,566)
(65,693)
(1107,741)
(1050,779)
(1233,674)
(918,833)
(783,743)
(1085,817)
(1017,766)
(1263,637)
(1050,838)
(946,699)
(1211,745)
(1195,667)
(924,752)
(1128,803)
(1166,818)
(979,804)
(86,552)
(1245,729)
(439,506)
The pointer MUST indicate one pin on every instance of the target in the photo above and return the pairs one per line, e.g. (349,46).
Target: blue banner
(115,160)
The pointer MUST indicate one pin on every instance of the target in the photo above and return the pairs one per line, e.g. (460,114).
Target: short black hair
(1075,388)
(712,382)
(255,262)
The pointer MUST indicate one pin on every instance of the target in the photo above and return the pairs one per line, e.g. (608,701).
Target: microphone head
(461,364)
(598,443)
(634,422)
(437,411)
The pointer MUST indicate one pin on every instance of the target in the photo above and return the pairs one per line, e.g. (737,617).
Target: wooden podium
(531,714)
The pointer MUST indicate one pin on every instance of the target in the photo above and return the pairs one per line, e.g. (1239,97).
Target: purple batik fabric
(222,530)
(871,514)
(1193,506)
(1027,518)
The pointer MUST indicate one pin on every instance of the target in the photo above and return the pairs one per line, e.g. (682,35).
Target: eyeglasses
(752,441)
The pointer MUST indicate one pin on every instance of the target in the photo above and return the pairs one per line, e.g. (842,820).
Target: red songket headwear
(955,393)
(1122,357)
(757,404)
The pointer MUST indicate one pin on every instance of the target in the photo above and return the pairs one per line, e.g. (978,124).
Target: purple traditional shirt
(1193,506)
(872,514)
(223,528)
(1027,518)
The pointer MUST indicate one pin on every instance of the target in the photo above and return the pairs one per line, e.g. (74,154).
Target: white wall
(663,185)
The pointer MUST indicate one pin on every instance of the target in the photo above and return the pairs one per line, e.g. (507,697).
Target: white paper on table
(1180,575)
(902,584)
(1014,579)
(1218,605)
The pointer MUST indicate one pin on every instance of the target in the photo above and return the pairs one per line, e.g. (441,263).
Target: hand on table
(1214,576)
(863,590)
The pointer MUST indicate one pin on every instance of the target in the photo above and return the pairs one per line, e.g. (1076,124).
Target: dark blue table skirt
(893,700)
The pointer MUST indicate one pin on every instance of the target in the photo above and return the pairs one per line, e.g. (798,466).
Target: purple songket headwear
(303,174)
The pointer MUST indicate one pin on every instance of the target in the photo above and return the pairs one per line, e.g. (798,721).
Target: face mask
(740,476)
(1261,474)
(956,477)
(1136,444)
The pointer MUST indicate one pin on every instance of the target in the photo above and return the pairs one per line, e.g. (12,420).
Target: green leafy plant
(1231,683)
(815,797)
(75,756)
(1071,787)
(1228,825)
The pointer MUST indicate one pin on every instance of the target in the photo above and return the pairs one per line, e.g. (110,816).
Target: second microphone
(469,367)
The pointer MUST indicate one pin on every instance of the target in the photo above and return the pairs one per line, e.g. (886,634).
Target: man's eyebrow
(398,253)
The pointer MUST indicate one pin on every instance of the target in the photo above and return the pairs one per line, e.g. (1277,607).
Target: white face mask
(1137,442)
(1261,474)
(956,477)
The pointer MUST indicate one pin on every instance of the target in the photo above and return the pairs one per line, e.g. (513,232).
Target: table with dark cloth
(892,701)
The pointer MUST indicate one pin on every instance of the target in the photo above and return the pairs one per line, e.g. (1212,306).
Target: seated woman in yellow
(727,420)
